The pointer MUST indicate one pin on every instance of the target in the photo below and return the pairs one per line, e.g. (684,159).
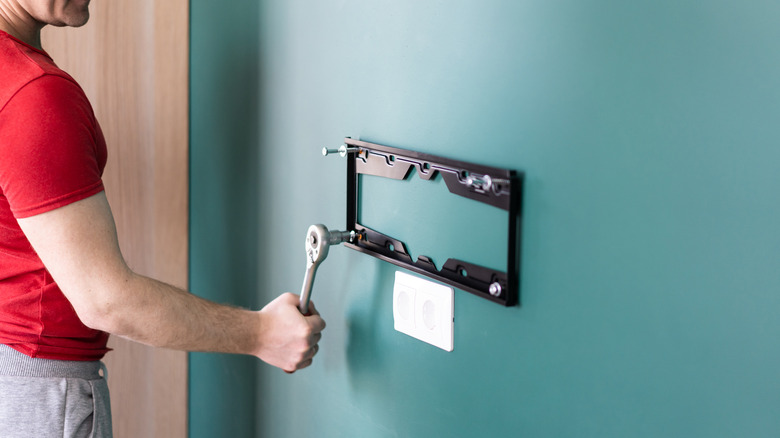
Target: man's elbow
(100,316)
(104,306)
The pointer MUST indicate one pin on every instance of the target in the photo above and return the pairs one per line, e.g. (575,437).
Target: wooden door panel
(132,61)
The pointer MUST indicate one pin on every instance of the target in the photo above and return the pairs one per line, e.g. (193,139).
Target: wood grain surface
(132,61)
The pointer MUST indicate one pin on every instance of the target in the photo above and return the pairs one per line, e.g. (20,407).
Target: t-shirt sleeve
(48,147)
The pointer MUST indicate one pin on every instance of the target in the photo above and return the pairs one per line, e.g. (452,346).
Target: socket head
(317,243)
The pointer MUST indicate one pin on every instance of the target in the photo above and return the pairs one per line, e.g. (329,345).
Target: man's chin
(74,22)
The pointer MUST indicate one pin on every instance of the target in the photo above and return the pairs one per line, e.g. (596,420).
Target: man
(64,284)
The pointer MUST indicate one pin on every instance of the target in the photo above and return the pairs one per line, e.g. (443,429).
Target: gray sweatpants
(52,398)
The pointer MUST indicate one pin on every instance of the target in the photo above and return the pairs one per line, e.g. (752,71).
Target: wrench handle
(308,283)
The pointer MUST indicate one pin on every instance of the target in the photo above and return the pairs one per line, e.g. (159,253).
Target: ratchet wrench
(318,240)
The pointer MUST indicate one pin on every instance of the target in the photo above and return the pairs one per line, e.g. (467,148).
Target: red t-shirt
(52,153)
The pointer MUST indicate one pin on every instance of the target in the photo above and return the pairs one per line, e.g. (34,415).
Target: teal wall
(648,132)
(224,208)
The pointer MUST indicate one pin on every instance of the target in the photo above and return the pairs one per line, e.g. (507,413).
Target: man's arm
(79,247)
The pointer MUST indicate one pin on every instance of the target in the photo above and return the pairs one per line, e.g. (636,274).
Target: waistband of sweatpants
(14,363)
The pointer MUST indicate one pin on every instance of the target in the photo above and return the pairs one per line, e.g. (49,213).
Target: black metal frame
(501,188)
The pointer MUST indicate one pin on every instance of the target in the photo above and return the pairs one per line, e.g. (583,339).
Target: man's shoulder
(23,65)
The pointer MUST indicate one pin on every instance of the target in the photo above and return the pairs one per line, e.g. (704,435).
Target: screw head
(495,289)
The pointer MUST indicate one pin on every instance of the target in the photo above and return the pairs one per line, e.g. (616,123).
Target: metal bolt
(484,183)
(342,150)
(495,289)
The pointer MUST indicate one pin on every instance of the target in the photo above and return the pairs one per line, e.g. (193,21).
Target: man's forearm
(161,315)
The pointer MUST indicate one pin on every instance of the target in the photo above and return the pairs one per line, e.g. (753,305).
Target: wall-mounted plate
(424,310)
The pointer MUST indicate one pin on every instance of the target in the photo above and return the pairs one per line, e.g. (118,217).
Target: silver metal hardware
(495,289)
(318,240)
(342,150)
(484,183)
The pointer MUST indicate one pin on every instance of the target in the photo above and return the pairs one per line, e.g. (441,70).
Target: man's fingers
(316,323)
(307,359)
(305,364)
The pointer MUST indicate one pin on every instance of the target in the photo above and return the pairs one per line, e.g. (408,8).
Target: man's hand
(289,339)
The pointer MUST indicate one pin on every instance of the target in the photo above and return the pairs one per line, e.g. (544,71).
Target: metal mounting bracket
(500,188)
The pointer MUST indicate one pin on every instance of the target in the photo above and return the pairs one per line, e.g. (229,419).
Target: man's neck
(19,24)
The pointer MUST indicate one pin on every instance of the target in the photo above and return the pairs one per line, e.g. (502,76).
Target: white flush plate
(424,310)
